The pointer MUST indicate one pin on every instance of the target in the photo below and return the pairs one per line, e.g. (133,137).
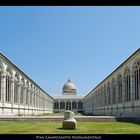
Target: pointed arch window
(105,97)
(8,85)
(114,91)
(119,82)
(127,85)
(22,90)
(108,92)
(16,86)
(136,73)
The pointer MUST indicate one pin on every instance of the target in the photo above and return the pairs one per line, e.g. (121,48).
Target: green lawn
(12,127)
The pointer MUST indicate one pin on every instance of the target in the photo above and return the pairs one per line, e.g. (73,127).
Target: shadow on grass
(129,120)
(135,122)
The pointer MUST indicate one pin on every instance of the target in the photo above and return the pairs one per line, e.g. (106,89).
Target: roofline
(4,57)
(114,71)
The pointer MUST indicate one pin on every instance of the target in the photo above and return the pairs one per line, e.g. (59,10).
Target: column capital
(12,79)
(3,75)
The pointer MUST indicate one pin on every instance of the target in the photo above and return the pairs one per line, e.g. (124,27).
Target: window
(105,95)
(16,86)
(62,105)
(56,105)
(27,92)
(22,91)
(108,92)
(119,82)
(101,99)
(80,105)
(8,85)
(74,105)
(127,85)
(114,91)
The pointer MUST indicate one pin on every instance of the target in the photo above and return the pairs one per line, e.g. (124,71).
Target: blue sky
(51,44)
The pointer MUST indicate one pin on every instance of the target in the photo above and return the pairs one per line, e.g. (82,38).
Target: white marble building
(69,100)
(19,94)
(119,93)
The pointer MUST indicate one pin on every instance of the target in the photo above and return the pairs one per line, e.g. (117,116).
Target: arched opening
(8,85)
(108,92)
(62,105)
(22,91)
(136,76)
(127,85)
(114,91)
(31,96)
(105,96)
(80,105)
(27,93)
(16,86)
(74,105)
(56,105)
(119,83)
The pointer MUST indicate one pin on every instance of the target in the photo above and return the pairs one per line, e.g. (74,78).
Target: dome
(69,87)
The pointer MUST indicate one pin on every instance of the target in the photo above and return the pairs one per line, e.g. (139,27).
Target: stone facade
(20,95)
(69,99)
(119,93)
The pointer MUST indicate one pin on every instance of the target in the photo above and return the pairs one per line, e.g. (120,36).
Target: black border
(70,136)
(69,3)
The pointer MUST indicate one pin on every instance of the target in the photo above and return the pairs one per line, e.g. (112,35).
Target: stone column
(12,94)
(103,101)
(59,105)
(117,92)
(28,92)
(111,98)
(32,102)
(18,98)
(92,103)
(43,104)
(71,104)
(107,97)
(3,90)
(123,96)
(32,99)
(24,97)
(132,91)
(65,105)
(39,102)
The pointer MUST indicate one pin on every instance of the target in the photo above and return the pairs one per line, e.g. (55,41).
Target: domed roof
(69,86)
